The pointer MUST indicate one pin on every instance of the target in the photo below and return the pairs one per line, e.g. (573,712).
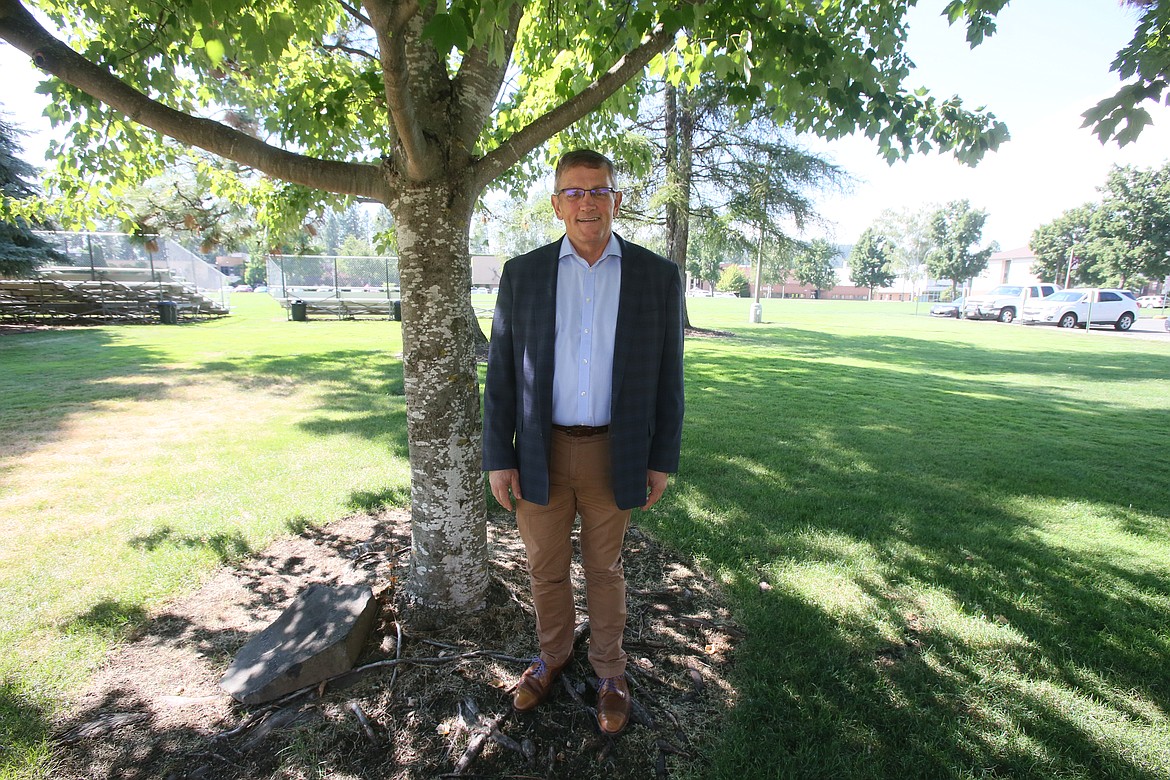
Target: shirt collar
(612,249)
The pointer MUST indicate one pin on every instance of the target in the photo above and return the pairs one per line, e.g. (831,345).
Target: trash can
(396,310)
(168,313)
(298,311)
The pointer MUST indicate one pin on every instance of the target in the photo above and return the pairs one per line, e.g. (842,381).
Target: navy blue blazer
(646,410)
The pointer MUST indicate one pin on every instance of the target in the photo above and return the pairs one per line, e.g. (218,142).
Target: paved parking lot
(1145,327)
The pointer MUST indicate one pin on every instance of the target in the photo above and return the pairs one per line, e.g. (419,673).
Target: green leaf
(448,31)
(215,51)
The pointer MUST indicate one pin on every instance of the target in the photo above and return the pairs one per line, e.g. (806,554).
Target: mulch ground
(156,709)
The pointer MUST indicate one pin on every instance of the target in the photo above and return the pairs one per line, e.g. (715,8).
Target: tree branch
(479,80)
(539,130)
(354,11)
(390,19)
(349,50)
(19,28)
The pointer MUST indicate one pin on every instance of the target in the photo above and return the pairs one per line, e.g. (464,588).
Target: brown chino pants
(580,484)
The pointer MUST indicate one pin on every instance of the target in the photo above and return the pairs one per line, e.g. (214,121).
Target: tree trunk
(680,124)
(448,568)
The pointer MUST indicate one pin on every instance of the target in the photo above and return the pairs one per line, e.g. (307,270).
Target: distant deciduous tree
(910,240)
(522,225)
(1133,223)
(733,280)
(715,241)
(814,266)
(955,229)
(1064,247)
(1120,240)
(869,262)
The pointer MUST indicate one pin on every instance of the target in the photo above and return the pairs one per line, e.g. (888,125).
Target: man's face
(588,220)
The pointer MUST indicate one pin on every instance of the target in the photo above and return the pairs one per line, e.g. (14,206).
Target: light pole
(757,313)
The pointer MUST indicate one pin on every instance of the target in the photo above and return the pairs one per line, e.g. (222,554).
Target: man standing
(583,410)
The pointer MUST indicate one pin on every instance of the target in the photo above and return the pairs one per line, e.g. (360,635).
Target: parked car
(948,308)
(1004,302)
(1152,302)
(1084,306)
(242,288)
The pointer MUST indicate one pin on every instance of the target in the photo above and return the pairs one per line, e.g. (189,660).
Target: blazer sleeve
(667,440)
(499,398)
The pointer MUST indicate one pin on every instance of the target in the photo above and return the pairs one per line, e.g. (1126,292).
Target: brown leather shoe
(613,705)
(534,685)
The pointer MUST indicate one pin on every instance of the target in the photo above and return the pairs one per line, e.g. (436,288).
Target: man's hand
(504,480)
(655,487)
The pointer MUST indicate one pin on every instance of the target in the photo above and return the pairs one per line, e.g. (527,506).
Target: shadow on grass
(24,731)
(226,546)
(371,502)
(115,620)
(920,621)
(360,391)
(49,376)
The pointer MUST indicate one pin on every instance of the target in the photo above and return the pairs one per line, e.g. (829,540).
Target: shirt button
(582,393)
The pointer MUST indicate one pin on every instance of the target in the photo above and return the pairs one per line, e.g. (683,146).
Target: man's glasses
(576,193)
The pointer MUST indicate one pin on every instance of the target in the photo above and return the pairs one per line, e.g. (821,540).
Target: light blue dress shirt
(587,309)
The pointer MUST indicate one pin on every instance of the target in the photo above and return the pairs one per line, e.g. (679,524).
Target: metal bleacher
(345,303)
(342,286)
(114,286)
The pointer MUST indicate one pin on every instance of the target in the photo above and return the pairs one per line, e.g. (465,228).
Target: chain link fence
(345,286)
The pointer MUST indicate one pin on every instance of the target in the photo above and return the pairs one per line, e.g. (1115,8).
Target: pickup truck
(1004,302)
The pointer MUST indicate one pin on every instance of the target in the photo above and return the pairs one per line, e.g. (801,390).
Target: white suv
(1005,302)
(1074,308)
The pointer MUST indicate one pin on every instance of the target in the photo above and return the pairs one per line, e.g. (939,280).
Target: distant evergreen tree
(20,250)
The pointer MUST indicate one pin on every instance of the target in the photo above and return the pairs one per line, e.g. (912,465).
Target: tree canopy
(1122,239)
(814,265)
(21,250)
(1145,63)
(420,106)
(910,240)
(956,229)
(869,261)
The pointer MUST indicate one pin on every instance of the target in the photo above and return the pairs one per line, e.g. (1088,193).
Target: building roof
(1023,253)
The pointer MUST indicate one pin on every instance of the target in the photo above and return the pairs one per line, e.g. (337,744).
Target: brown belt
(580,431)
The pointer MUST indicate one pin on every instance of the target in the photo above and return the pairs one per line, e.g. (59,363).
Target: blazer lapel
(633,286)
(544,320)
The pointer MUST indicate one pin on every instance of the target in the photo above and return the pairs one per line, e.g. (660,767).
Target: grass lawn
(947,541)
(134,459)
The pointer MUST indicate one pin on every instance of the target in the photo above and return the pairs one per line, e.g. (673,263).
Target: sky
(1047,63)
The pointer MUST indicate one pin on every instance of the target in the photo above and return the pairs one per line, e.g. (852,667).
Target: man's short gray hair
(588,159)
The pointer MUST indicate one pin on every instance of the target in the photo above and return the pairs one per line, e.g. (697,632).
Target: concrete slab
(318,636)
